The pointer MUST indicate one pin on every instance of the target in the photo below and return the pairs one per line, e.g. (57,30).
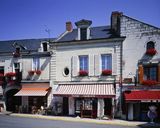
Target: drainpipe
(121,78)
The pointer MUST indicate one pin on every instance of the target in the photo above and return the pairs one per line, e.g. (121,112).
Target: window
(66,71)
(36,64)
(106,62)
(17,67)
(83,33)
(44,45)
(83,63)
(150,73)
(2,70)
(150,45)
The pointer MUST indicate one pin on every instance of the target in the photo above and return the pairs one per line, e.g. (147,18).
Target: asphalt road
(23,122)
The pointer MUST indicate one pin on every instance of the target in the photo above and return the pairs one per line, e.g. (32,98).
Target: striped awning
(85,90)
(34,89)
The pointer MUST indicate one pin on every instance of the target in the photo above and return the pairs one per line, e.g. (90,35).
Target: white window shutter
(114,64)
(20,67)
(97,64)
(75,66)
(91,65)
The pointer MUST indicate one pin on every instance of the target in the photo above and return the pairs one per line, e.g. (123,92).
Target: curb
(73,119)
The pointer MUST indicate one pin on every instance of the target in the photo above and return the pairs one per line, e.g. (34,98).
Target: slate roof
(30,44)
(96,33)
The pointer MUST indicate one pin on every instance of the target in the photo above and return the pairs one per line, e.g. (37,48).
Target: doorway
(65,106)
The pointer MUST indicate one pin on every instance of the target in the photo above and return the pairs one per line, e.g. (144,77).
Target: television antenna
(48,31)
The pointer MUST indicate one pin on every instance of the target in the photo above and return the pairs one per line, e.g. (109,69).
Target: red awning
(33,89)
(142,95)
(85,90)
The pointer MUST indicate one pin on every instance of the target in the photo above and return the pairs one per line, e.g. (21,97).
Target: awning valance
(142,95)
(85,90)
(33,89)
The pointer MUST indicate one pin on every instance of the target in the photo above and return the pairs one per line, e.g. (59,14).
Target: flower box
(10,74)
(106,72)
(151,51)
(149,82)
(31,72)
(38,72)
(83,73)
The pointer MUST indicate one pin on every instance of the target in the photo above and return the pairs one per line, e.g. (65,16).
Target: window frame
(148,73)
(85,65)
(106,64)
(35,64)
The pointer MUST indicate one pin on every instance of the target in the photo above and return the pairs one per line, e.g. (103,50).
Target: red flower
(38,72)
(151,51)
(10,74)
(106,72)
(1,75)
(83,73)
(149,82)
(31,72)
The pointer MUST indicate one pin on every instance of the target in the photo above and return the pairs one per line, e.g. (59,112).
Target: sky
(29,19)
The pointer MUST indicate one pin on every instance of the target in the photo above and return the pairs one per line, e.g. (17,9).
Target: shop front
(33,97)
(86,100)
(138,102)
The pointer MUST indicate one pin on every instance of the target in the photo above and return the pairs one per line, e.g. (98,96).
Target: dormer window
(44,45)
(150,49)
(83,29)
(83,33)
(150,45)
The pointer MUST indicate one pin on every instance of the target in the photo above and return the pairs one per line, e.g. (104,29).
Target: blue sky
(28,19)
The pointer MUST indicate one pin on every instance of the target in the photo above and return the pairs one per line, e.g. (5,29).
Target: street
(23,122)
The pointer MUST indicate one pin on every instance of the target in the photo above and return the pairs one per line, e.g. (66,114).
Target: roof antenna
(48,31)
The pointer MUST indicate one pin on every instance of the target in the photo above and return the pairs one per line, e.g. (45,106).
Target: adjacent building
(24,65)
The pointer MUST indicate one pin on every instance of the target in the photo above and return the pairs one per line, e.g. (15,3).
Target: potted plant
(31,72)
(83,73)
(106,72)
(149,82)
(151,51)
(38,72)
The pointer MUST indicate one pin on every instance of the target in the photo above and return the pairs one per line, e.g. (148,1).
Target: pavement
(86,120)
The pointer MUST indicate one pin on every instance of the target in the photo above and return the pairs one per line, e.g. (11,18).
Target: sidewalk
(86,120)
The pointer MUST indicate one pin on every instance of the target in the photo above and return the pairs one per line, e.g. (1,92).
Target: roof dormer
(83,29)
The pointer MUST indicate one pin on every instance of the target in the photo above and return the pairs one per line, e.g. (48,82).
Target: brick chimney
(115,22)
(69,27)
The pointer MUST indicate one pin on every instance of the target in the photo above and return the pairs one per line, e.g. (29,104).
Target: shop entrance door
(65,106)
(108,107)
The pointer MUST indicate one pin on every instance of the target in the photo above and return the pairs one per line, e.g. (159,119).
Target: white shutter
(114,64)
(97,64)
(91,65)
(20,66)
(75,66)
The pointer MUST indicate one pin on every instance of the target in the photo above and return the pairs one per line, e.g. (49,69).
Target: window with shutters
(106,60)
(83,65)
